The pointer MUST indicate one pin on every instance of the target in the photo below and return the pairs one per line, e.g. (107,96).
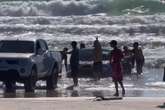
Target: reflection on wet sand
(9,95)
(29,95)
(40,93)
(16,95)
(53,93)
(75,93)
(141,87)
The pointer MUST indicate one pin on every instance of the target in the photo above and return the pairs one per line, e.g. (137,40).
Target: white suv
(27,61)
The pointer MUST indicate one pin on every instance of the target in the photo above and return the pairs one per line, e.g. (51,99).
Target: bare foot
(116,94)
(123,93)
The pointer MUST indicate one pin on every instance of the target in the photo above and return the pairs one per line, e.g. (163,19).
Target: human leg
(65,63)
(75,76)
(75,81)
(123,89)
(139,66)
(116,87)
(97,70)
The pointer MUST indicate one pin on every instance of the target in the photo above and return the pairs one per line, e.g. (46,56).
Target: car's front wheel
(30,82)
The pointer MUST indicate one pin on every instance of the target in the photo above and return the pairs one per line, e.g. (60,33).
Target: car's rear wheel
(52,79)
(30,83)
(10,86)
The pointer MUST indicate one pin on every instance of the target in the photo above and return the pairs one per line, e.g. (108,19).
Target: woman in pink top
(115,61)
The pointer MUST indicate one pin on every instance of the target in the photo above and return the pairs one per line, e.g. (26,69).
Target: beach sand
(83,103)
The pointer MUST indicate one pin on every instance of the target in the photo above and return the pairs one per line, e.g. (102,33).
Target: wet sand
(83,103)
(150,84)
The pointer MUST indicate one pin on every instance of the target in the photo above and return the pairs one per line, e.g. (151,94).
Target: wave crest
(79,7)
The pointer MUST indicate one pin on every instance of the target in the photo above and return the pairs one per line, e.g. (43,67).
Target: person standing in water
(138,58)
(127,60)
(74,62)
(115,61)
(97,60)
(64,57)
(82,45)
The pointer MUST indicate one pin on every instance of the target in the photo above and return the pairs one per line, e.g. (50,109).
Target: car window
(16,46)
(46,46)
(43,45)
(38,46)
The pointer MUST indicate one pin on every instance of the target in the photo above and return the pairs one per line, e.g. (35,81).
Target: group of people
(133,59)
(120,61)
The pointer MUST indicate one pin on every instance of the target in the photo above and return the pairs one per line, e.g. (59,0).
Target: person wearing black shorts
(74,62)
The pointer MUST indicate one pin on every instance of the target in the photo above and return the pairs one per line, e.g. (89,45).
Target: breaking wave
(79,7)
(59,31)
(61,21)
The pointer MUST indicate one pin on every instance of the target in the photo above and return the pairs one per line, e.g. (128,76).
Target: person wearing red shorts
(115,61)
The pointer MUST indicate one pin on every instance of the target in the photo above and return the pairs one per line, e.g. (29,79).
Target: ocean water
(61,21)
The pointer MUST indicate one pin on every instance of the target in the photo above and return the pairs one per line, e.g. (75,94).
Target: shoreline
(83,103)
(82,99)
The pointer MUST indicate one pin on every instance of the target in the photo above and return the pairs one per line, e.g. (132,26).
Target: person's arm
(142,56)
(69,52)
(133,59)
(65,62)
(110,57)
(121,55)
(141,52)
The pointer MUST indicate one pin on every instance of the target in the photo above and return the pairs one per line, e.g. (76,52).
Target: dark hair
(136,43)
(74,43)
(65,49)
(113,42)
(125,47)
(82,45)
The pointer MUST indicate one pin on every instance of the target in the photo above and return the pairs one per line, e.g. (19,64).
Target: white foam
(148,30)
(156,84)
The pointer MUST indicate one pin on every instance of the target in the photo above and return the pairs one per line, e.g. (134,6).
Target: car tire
(30,82)
(10,86)
(51,81)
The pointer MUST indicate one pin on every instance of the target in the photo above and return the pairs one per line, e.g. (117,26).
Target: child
(127,61)
(64,56)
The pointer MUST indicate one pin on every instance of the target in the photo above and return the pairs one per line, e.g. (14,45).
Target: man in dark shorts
(138,58)
(74,62)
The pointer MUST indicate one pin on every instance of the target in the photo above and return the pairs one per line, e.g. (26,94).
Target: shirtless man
(138,58)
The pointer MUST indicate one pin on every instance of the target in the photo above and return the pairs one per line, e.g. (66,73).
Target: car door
(39,58)
(47,60)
